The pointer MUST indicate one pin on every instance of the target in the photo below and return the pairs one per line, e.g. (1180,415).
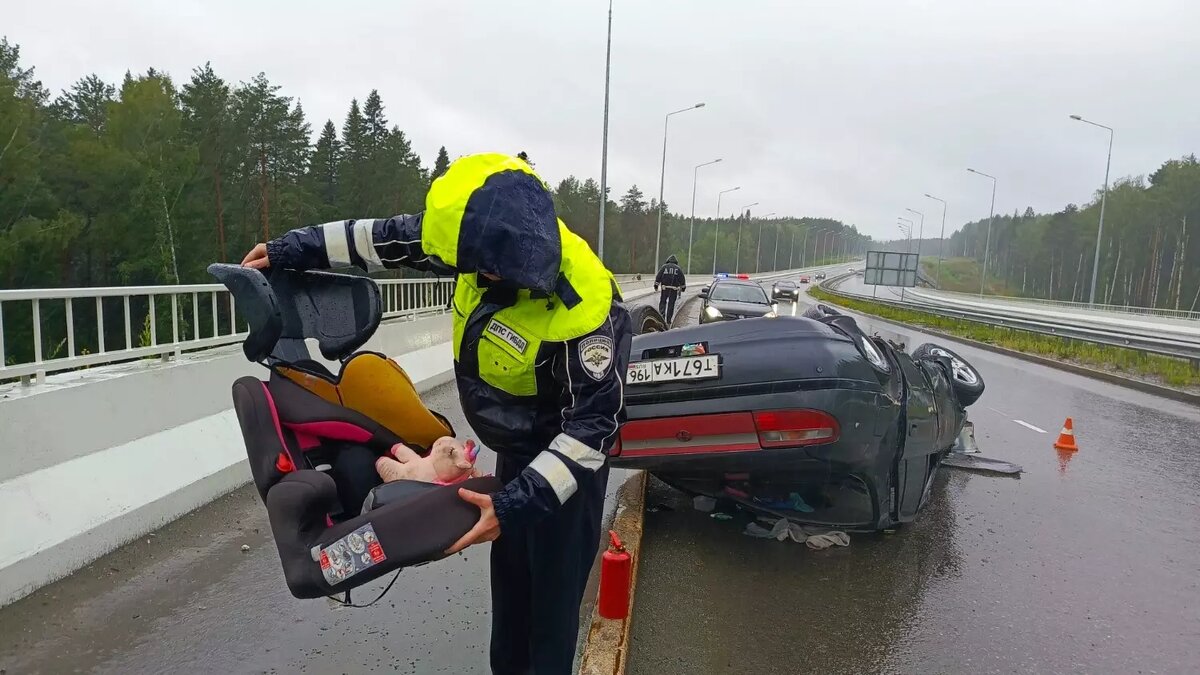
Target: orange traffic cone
(1066,437)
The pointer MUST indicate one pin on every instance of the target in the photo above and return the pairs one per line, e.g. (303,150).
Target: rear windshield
(739,293)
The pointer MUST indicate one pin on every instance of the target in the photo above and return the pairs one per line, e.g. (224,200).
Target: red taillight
(789,428)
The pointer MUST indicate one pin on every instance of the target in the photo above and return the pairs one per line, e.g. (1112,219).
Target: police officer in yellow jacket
(541,344)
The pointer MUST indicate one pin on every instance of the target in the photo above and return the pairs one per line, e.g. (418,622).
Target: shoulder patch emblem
(596,354)
(508,335)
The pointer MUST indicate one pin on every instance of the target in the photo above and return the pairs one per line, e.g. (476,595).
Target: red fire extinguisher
(616,568)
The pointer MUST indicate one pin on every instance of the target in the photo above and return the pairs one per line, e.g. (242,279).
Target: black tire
(646,319)
(964,377)
(820,311)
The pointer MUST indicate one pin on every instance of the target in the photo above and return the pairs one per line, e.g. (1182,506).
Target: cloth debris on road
(782,529)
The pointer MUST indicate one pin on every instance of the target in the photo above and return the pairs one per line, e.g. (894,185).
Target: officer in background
(670,280)
(541,344)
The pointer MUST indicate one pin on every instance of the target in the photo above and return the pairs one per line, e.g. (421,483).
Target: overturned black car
(807,418)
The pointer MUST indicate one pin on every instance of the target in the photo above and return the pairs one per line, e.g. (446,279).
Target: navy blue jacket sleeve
(591,370)
(367,243)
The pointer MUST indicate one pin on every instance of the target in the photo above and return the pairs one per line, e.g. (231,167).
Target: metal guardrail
(1123,309)
(200,316)
(1164,344)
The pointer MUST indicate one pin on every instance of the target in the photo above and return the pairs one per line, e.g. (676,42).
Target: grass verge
(1163,369)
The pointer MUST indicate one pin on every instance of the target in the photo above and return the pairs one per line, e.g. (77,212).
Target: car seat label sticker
(360,550)
(596,353)
(510,336)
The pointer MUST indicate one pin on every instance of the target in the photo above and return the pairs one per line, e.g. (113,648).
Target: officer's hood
(672,259)
(490,213)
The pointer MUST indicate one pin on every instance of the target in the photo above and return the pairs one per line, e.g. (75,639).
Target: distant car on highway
(785,289)
(806,418)
(728,299)
(804,278)
(819,276)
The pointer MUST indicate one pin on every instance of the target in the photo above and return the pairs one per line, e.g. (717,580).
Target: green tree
(323,174)
(440,164)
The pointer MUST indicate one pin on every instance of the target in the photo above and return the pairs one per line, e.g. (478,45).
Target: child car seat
(307,431)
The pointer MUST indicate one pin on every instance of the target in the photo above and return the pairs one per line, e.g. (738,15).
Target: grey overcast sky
(850,109)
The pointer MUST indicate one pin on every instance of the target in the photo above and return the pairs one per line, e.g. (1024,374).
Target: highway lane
(1086,563)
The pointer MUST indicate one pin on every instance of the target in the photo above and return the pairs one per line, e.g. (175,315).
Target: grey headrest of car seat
(284,307)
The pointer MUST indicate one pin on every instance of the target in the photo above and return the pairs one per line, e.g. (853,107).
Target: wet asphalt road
(1085,564)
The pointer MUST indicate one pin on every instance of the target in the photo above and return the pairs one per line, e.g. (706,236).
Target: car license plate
(667,370)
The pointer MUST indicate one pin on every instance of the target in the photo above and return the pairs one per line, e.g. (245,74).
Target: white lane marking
(1030,426)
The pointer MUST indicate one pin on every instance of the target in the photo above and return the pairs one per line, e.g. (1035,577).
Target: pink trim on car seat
(306,441)
(275,419)
(342,431)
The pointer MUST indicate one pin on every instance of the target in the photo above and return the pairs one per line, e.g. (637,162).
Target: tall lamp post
(692,227)
(920,231)
(941,239)
(825,241)
(662,178)
(775,260)
(804,246)
(908,233)
(604,149)
(737,263)
(717,231)
(758,248)
(1103,199)
(987,245)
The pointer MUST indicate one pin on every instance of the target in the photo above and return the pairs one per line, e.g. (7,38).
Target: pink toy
(449,461)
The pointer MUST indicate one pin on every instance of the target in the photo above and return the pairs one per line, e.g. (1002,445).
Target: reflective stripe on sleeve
(577,452)
(556,473)
(337,245)
(364,242)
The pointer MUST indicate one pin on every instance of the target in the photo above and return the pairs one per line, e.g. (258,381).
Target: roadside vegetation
(1159,369)
(962,275)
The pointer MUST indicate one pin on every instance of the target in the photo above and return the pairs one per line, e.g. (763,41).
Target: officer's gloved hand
(656,287)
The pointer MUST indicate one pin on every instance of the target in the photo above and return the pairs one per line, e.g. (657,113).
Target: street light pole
(692,227)
(941,239)
(737,263)
(792,250)
(987,245)
(662,178)
(921,231)
(775,260)
(908,244)
(1103,199)
(717,231)
(804,246)
(758,248)
(604,148)
(825,245)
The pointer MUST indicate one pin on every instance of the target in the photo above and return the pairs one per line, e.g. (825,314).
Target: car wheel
(967,382)
(820,311)
(646,319)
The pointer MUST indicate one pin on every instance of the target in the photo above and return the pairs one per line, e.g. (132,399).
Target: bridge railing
(57,329)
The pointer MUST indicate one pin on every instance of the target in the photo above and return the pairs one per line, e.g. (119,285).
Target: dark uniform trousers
(539,574)
(666,304)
